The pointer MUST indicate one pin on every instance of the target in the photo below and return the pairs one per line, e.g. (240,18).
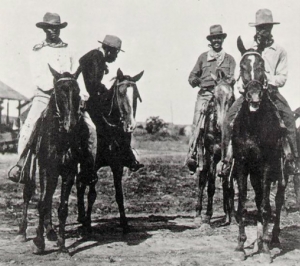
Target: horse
(257,146)
(210,148)
(54,147)
(114,117)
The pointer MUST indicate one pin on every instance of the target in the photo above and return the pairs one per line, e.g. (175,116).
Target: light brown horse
(210,150)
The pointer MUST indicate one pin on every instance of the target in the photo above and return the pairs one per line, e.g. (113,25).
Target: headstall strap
(66,78)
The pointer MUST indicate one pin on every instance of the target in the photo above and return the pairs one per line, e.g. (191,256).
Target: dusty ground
(160,202)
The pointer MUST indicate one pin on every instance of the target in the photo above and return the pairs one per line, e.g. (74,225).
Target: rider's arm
(194,77)
(276,66)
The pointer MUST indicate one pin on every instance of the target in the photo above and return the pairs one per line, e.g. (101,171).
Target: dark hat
(216,30)
(51,20)
(263,16)
(113,41)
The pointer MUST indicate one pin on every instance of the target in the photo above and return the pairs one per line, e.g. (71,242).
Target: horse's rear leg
(28,191)
(67,183)
(80,187)
(202,180)
(118,173)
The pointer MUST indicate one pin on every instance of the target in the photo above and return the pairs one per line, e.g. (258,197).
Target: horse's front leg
(48,185)
(241,172)
(211,188)
(80,188)
(118,173)
(266,214)
(202,180)
(28,191)
(92,195)
(66,186)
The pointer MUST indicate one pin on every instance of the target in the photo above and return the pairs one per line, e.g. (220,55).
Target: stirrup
(225,171)
(14,174)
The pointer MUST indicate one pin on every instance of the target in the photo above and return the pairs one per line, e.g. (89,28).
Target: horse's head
(65,100)
(223,95)
(252,75)
(126,95)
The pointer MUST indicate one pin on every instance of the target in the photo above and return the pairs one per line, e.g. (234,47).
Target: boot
(192,165)
(135,166)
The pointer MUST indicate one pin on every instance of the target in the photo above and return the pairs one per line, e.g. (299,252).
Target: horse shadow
(108,231)
(290,240)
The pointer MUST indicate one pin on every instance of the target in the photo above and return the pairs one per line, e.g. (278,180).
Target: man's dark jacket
(93,68)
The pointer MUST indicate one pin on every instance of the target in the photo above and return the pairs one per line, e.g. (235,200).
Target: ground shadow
(107,231)
(290,239)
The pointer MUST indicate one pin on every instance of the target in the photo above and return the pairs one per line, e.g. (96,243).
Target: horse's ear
(240,45)
(55,74)
(137,77)
(120,74)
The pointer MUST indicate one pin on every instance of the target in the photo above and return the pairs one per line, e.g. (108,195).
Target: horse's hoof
(38,246)
(206,220)
(275,243)
(265,258)
(239,255)
(21,238)
(198,221)
(63,251)
(51,235)
(205,227)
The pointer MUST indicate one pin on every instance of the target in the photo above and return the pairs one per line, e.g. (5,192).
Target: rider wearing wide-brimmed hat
(56,53)
(207,63)
(93,66)
(275,58)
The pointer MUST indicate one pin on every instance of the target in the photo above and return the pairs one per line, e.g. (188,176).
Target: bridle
(57,111)
(254,81)
(116,95)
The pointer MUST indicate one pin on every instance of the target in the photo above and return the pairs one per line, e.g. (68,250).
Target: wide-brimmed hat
(263,16)
(51,20)
(216,30)
(113,41)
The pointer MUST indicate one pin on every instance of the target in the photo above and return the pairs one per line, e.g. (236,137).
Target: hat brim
(44,25)
(224,35)
(112,46)
(252,24)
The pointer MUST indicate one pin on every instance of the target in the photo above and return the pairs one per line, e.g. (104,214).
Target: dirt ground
(160,202)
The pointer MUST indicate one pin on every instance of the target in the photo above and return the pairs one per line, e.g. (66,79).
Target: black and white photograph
(149,132)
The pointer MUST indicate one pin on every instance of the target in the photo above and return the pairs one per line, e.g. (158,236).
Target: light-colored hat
(113,41)
(216,30)
(51,20)
(263,16)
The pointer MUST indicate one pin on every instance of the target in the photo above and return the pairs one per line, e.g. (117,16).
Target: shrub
(154,124)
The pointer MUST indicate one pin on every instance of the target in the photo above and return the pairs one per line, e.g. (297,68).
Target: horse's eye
(248,95)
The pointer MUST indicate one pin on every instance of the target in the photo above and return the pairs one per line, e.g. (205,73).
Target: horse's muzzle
(254,106)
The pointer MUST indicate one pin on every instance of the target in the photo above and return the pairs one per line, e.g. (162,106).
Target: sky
(162,37)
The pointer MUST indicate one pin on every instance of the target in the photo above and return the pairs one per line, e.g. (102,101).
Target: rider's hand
(195,82)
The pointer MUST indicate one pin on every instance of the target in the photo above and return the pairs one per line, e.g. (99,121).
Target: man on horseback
(276,70)
(207,63)
(54,52)
(93,67)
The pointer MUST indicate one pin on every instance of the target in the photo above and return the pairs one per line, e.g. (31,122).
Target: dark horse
(209,147)
(257,142)
(114,117)
(54,145)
